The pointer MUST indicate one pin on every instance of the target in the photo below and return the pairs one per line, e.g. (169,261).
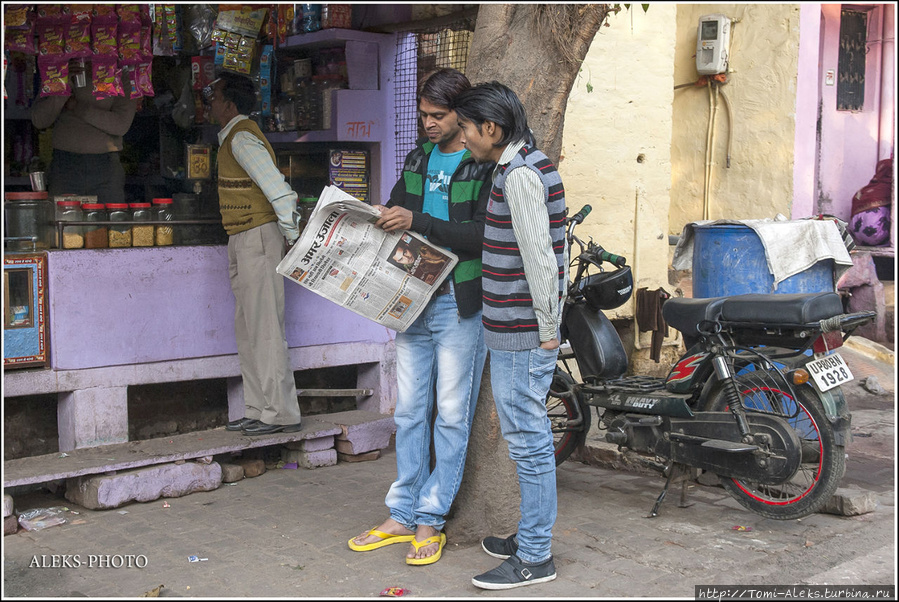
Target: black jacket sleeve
(468,236)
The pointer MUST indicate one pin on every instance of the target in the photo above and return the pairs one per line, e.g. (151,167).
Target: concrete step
(356,426)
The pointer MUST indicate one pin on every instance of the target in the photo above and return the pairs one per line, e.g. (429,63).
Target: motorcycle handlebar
(613,259)
(578,217)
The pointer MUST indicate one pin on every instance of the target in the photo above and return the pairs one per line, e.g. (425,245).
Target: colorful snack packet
(129,44)
(128,13)
(104,12)
(104,34)
(17,16)
(51,38)
(54,74)
(78,39)
(145,79)
(20,40)
(106,77)
(81,12)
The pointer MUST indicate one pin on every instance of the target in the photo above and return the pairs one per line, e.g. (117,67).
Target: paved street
(284,534)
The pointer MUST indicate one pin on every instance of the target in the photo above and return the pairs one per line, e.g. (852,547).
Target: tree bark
(537,51)
(488,499)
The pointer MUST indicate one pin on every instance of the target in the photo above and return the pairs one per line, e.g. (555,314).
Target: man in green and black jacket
(442,195)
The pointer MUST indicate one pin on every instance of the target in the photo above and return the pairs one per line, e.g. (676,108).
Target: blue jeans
(444,353)
(520,382)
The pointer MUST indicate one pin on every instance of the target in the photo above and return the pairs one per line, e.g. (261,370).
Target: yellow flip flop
(386,540)
(438,539)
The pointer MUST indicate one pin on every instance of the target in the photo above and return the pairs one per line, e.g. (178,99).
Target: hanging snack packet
(16,16)
(146,43)
(20,40)
(128,13)
(80,12)
(105,12)
(129,44)
(54,74)
(104,38)
(78,39)
(106,78)
(53,13)
(51,38)
(144,79)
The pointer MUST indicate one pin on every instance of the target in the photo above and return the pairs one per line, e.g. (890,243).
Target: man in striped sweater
(525,258)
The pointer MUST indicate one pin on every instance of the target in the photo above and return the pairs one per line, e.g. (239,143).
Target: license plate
(829,372)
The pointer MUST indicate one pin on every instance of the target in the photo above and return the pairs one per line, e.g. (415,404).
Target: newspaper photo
(388,277)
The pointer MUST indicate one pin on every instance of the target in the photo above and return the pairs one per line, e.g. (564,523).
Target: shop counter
(120,317)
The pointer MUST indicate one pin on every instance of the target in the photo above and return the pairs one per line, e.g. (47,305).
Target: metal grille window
(851,65)
(418,52)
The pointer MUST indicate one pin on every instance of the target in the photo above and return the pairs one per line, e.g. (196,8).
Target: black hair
(240,90)
(496,103)
(442,86)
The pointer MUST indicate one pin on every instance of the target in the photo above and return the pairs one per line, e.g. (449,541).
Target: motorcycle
(755,399)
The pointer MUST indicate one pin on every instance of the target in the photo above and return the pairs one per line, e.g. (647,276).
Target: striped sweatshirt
(525,252)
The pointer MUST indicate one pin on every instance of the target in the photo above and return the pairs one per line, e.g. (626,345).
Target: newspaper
(342,256)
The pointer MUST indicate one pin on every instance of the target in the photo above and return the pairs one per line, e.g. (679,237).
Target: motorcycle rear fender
(837,411)
(595,342)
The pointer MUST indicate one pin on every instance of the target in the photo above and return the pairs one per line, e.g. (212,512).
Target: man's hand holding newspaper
(386,274)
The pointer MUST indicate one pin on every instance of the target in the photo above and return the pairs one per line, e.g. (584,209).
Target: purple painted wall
(850,143)
(116,307)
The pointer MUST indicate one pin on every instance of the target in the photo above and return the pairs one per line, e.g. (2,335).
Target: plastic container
(730,260)
(141,236)
(29,219)
(72,236)
(95,237)
(119,235)
(163,210)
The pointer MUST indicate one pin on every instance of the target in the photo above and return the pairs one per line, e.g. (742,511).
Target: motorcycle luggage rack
(635,384)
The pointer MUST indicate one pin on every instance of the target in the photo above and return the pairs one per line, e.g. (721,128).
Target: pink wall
(851,142)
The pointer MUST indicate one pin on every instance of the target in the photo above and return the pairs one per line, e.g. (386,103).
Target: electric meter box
(712,41)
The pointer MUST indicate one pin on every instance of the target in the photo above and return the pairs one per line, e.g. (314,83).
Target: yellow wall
(617,139)
(762,94)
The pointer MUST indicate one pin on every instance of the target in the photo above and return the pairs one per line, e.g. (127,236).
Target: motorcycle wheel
(823,461)
(563,406)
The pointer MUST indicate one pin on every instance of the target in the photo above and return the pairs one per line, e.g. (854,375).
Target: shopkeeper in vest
(87,140)
(258,213)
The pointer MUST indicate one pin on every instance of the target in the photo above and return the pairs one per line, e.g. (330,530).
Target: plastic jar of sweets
(119,235)
(72,236)
(141,236)
(163,211)
(95,237)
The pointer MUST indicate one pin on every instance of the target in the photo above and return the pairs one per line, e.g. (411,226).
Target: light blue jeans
(520,382)
(441,353)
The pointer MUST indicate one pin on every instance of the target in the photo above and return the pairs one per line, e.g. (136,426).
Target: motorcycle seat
(789,309)
(685,314)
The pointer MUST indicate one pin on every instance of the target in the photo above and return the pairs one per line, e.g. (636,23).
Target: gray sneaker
(500,548)
(515,573)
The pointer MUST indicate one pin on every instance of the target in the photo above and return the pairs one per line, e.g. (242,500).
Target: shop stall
(102,296)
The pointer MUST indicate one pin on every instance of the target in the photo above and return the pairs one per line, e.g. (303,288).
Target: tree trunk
(488,499)
(537,51)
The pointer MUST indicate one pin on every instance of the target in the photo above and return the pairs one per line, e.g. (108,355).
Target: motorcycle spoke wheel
(570,417)
(823,462)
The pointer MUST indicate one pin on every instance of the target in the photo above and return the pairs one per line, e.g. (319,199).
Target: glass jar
(28,220)
(72,236)
(141,236)
(95,237)
(163,211)
(119,235)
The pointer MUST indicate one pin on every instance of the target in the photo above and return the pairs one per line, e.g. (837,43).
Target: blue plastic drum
(730,260)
